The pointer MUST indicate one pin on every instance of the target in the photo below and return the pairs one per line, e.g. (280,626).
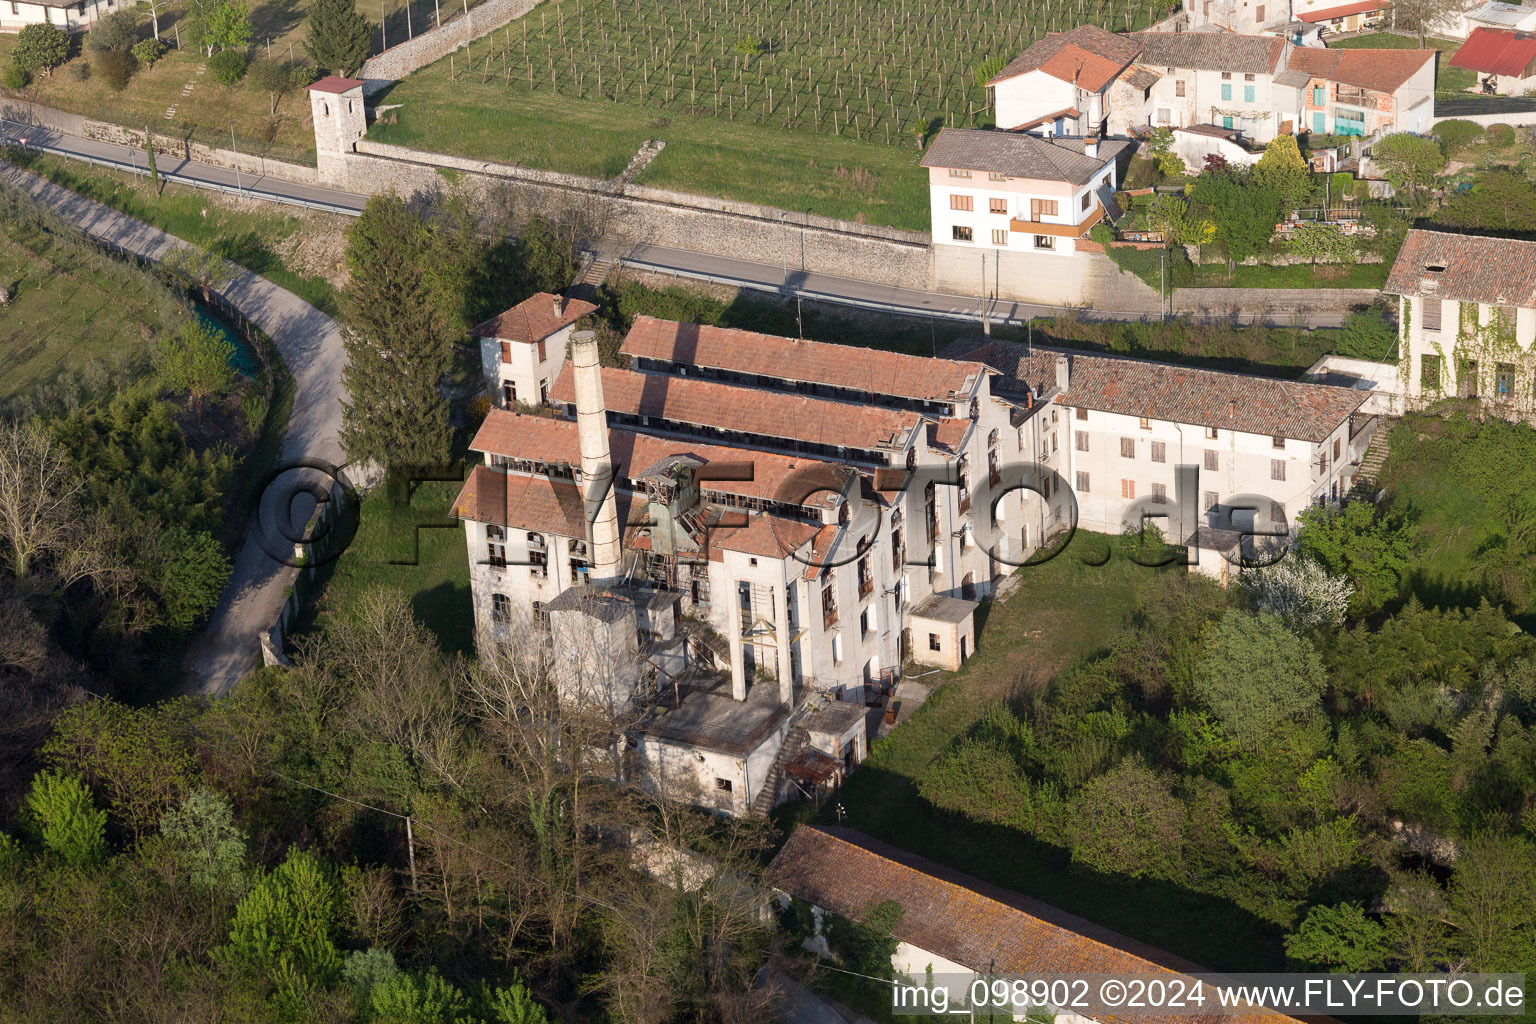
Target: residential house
(523,350)
(955,927)
(1363,92)
(1467,320)
(1208,455)
(1497,15)
(70,15)
(1215,78)
(1062,82)
(1504,59)
(1340,15)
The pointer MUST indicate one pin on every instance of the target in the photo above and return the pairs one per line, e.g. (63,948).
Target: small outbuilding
(943,632)
(1505,60)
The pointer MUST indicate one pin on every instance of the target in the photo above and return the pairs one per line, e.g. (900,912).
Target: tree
(284,926)
(221,25)
(1358,542)
(227,67)
(148,51)
(1127,821)
(1367,334)
(748,47)
(1499,200)
(1493,902)
(339,37)
(1409,161)
(198,360)
(514,1004)
(1244,213)
(1314,242)
(1424,16)
(192,569)
(403,998)
(1340,938)
(70,826)
(1283,171)
(116,67)
(548,261)
(129,755)
(40,48)
(197,269)
(396,342)
(116,31)
(271,77)
(149,150)
(207,842)
(1255,674)
(1300,591)
(38,491)
(987,70)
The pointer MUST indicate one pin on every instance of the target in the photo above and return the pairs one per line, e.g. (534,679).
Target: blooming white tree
(1300,591)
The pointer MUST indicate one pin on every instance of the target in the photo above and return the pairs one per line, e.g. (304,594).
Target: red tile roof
(765,414)
(1492,51)
(1086,50)
(337,84)
(764,535)
(1364,7)
(533,319)
(948,433)
(540,439)
(522,502)
(968,921)
(1377,70)
(1496,271)
(843,366)
(1182,394)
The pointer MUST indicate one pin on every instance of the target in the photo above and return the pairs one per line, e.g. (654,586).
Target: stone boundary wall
(635,215)
(167,147)
(402,59)
(1246,303)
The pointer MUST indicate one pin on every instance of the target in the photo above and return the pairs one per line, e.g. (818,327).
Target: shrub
(13,77)
(1456,135)
(227,67)
(81,70)
(1368,335)
(1500,135)
(1341,183)
(117,67)
(148,51)
(117,31)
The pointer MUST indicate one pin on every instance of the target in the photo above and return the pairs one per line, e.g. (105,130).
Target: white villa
(70,15)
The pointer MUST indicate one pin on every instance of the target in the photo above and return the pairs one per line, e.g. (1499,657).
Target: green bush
(148,51)
(1501,135)
(1368,335)
(227,67)
(1456,135)
(13,77)
(40,48)
(117,31)
(117,67)
(81,70)
(1341,183)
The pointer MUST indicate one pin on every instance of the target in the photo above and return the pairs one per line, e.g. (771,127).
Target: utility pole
(239,189)
(784,248)
(1162,283)
(410,853)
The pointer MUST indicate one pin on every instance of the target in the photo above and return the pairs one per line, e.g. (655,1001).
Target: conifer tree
(339,37)
(397,342)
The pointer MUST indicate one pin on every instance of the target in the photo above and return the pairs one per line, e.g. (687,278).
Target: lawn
(1450,83)
(71,308)
(259,236)
(414,548)
(1067,609)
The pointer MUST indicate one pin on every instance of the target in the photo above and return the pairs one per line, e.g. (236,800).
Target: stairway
(641,159)
(768,795)
(593,274)
(1365,485)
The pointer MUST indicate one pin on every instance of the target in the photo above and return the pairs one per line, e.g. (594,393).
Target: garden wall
(168,147)
(627,215)
(398,61)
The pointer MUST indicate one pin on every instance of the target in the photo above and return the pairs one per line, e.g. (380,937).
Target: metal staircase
(767,796)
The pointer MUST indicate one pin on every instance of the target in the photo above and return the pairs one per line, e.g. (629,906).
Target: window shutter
(506,351)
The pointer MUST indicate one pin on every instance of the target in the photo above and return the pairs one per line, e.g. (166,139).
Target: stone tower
(336,105)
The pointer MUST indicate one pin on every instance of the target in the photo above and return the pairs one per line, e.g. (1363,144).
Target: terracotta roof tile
(1210,51)
(1363,7)
(1181,394)
(541,439)
(533,319)
(968,921)
(1086,40)
(1496,271)
(336,84)
(522,502)
(766,414)
(763,534)
(1377,70)
(1019,155)
(843,366)
(949,433)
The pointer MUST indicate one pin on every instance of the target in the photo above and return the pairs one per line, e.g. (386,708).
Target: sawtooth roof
(1495,271)
(1019,155)
(1181,394)
(766,414)
(970,922)
(868,370)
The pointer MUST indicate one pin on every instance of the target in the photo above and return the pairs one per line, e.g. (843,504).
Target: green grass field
(410,549)
(71,307)
(1450,83)
(816,108)
(1066,610)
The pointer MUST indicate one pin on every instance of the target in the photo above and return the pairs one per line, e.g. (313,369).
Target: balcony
(1079,230)
(866,587)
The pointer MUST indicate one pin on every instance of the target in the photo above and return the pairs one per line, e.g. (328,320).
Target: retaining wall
(633,215)
(398,61)
(168,147)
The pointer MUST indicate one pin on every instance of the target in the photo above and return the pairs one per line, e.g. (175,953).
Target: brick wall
(398,61)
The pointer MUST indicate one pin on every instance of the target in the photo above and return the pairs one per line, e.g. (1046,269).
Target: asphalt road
(310,344)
